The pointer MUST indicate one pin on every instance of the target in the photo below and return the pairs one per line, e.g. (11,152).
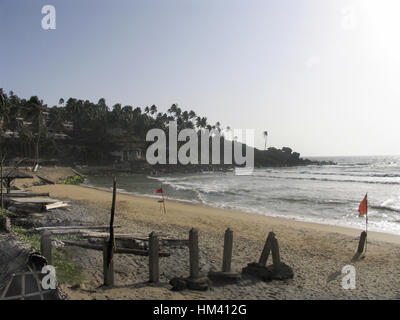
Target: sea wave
(336,180)
(386,208)
(354,174)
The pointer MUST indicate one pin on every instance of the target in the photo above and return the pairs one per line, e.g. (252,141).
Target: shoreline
(292,222)
(317,253)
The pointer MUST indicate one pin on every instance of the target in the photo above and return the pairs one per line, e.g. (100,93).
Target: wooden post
(227,257)
(1,182)
(109,248)
(108,268)
(194,253)
(45,247)
(8,185)
(154,271)
(361,244)
(276,259)
(5,224)
(267,248)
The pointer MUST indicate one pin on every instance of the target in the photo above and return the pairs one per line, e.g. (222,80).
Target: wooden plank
(26,194)
(72,227)
(126,236)
(39,285)
(26,295)
(7,286)
(76,172)
(80,232)
(56,205)
(118,250)
(23,286)
(102,235)
(45,179)
(34,200)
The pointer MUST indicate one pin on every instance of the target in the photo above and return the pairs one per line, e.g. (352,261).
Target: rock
(178,284)
(200,284)
(283,272)
(224,277)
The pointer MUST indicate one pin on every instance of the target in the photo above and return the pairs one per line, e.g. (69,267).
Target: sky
(322,77)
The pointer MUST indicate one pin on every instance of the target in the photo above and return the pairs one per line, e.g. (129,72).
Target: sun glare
(382,24)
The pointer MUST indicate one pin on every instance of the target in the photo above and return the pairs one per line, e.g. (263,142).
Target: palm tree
(56,122)
(192,114)
(265,133)
(173,109)
(34,111)
(3,106)
(153,109)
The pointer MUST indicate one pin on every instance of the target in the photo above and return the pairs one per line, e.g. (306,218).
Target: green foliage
(93,130)
(7,213)
(76,180)
(67,271)
(32,239)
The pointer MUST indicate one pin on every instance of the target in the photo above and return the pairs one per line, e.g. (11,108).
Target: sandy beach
(317,253)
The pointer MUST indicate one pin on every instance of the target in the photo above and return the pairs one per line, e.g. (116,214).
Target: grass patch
(32,239)
(67,271)
(5,213)
(75,180)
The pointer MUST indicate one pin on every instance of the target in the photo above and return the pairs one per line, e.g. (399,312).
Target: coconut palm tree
(153,109)
(265,133)
(3,106)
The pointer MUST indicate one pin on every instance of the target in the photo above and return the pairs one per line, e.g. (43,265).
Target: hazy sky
(323,77)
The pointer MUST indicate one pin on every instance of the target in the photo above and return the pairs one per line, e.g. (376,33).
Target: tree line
(91,128)
(86,132)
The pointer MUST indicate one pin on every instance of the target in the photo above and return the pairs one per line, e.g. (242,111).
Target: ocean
(324,194)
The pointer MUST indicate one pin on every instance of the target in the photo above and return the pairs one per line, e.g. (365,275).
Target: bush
(76,180)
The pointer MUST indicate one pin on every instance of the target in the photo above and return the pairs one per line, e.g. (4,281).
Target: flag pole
(165,211)
(366,225)
(163,200)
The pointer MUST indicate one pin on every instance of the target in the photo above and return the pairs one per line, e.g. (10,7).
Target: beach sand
(317,253)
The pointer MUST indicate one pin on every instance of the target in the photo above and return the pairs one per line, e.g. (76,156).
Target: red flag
(159,190)
(362,209)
